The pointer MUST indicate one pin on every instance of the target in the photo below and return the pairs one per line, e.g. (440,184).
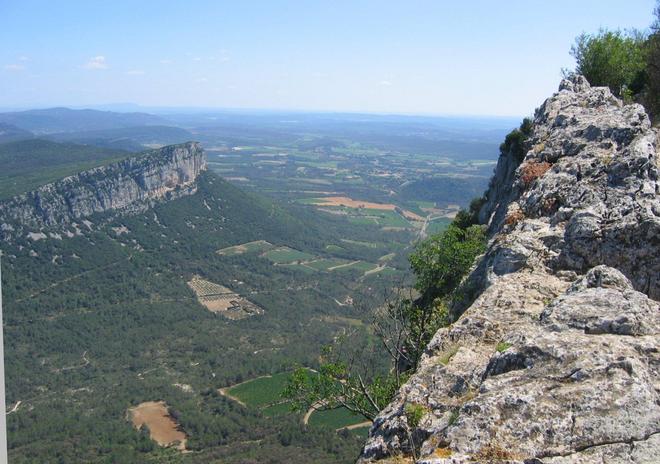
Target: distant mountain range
(107,129)
(53,120)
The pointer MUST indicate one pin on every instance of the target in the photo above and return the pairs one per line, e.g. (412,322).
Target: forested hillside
(28,164)
(100,322)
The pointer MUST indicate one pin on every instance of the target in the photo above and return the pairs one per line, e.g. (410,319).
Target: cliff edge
(556,359)
(129,185)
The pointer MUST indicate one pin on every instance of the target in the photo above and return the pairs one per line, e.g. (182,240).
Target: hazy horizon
(470,59)
(128,107)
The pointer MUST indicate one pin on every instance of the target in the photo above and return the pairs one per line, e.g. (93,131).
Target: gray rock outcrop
(557,360)
(130,185)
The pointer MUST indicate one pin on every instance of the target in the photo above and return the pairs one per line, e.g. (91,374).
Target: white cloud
(201,80)
(385,83)
(96,62)
(14,67)
(135,72)
(23,58)
(165,61)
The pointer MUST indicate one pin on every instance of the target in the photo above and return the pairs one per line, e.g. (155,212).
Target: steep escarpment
(557,358)
(129,185)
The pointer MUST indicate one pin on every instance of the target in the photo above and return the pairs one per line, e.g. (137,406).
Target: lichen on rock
(557,359)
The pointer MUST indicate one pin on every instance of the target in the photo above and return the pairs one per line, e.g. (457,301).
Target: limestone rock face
(129,185)
(557,360)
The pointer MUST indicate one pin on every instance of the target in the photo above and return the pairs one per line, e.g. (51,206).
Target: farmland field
(250,247)
(121,326)
(327,264)
(335,418)
(262,391)
(359,266)
(437,225)
(298,267)
(219,299)
(381,218)
(287,255)
(350,203)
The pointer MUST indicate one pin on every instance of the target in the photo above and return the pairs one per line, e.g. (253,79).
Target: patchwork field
(260,392)
(298,267)
(338,418)
(162,428)
(265,392)
(286,255)
(360,266)
(221,300)
(380,218)
(258,246)
(305,262)
(327,264)
(348,202)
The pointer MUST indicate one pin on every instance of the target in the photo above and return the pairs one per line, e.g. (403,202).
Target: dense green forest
(28,164)
(98,323)
(628,62)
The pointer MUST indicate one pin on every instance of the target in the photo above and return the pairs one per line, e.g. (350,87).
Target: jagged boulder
(557,360)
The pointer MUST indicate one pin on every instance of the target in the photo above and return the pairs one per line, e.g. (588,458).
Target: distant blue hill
(53,120)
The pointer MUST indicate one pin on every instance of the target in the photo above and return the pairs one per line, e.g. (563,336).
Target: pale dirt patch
(243,248)
(15,408)
(375,270)
(36,236)
(334,268)
(312,409)
(120,230)
(394,229)
(218,303)
(184,387)
(162,428)
(224,392)
(356,426)
(411,216)
(387,257)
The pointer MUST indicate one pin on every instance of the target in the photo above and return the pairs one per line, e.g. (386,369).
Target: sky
(467,57)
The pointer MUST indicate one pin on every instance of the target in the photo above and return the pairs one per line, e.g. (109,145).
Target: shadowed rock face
(557,360)
(127,186)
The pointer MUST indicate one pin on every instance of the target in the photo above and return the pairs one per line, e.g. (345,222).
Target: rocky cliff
(129,185)
(557,358)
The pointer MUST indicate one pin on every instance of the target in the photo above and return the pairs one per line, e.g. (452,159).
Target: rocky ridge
(556,360)
(130,185)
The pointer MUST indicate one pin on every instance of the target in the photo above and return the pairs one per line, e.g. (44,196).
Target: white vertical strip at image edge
(3,405)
